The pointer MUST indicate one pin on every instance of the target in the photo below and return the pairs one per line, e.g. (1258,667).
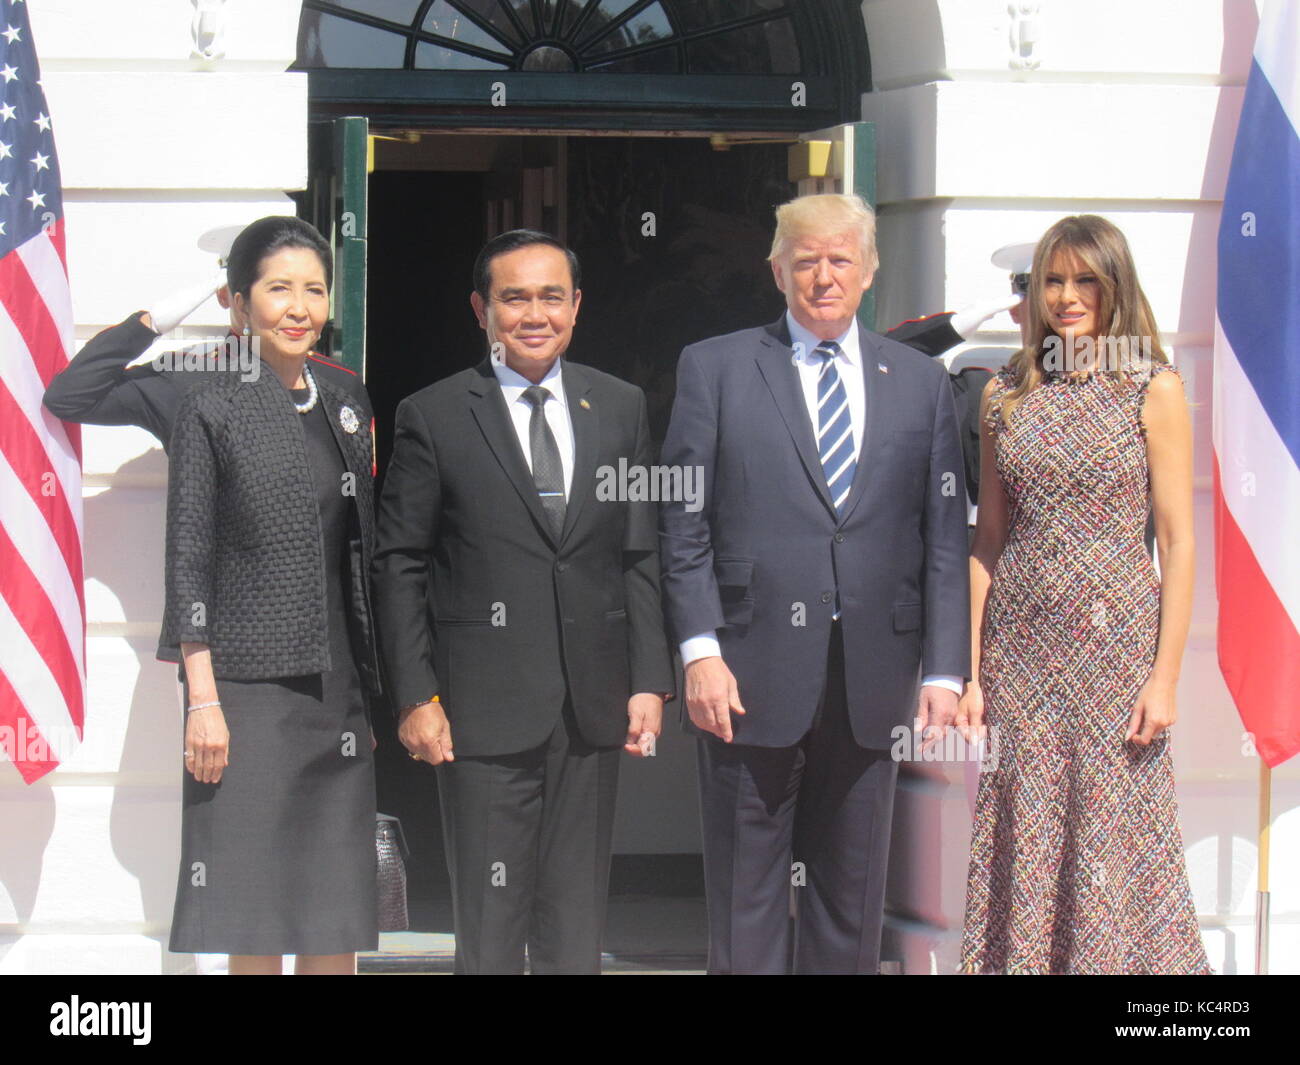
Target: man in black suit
(825,569)
(547,651)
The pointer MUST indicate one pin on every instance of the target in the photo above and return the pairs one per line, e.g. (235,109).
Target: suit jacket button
(827,597)
(839,538)
(560,567)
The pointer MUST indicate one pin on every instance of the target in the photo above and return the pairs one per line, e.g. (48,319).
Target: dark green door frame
(335,202)
(666,102)
(352,153)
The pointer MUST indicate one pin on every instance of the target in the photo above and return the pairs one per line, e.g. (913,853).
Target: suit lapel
(775,364)
(585,421)
(335,400)
(356,449)
(488,405)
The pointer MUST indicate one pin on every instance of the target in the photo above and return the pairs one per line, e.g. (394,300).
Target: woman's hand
(970,713)
(207,744)
(1153,712)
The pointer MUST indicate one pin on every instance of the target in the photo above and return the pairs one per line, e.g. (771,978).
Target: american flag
(1257,396)
(42,599)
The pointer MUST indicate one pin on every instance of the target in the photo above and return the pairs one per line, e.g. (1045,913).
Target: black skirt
(279,857)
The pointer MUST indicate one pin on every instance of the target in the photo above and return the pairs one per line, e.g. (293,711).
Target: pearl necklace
(310,402)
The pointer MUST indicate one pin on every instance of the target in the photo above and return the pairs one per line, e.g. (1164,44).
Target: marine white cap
(218,241)
(1015,258)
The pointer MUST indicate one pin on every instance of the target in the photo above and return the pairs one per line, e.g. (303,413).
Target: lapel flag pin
(584,404)
(882,367)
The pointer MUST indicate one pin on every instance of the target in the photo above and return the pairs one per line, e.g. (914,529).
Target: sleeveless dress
(279,857)
(1077,861)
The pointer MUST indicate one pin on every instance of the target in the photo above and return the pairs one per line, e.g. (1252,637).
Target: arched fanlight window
(763,65)
(560,36)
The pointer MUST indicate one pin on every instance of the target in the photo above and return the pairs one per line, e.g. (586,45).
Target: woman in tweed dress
(270,518)
(1076,856)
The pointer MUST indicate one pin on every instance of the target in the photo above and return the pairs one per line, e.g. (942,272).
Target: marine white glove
(168,312)
(969,319)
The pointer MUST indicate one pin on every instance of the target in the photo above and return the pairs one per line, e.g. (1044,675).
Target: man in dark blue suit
(825,570)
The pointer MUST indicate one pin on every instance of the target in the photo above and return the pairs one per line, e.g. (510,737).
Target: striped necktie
(834,427)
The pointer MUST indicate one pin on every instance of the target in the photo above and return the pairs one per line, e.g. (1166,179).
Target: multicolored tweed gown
(1076,855)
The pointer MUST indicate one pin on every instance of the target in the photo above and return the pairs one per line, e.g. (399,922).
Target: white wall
(1129,113)
(155,147)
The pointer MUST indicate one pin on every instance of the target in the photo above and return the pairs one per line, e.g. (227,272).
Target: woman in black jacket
(270,515)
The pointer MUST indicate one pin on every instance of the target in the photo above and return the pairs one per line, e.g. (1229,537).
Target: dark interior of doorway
(694,269)
(671,233)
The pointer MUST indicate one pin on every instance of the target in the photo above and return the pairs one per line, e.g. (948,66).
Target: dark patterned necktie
(834,427)
(548,471)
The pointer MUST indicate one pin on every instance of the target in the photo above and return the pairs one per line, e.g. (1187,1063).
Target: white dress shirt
(555,409)
(808,364)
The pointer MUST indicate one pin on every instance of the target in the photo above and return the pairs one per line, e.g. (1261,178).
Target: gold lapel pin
(584,404)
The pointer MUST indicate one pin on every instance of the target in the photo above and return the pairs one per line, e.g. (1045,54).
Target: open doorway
(672,234)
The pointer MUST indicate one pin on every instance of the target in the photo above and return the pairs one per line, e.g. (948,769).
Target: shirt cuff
(705,645)
(943,680)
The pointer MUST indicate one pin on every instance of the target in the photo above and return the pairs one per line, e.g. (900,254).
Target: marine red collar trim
(316,357)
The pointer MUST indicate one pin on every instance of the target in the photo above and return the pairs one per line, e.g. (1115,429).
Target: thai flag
(1257,397)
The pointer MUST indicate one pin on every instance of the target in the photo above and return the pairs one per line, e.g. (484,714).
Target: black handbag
(390,846)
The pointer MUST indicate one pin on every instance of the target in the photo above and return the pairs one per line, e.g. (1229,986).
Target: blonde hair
(1123,311)
(825,215)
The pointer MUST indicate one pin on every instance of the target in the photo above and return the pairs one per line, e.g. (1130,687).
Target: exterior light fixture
(209,28)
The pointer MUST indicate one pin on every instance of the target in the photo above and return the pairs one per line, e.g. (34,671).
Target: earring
(247,332)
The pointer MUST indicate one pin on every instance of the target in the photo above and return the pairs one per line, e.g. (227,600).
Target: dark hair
(513,240)
(264,238)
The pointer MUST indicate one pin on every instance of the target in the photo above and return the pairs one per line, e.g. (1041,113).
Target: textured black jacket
(245,567)
(97,388)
